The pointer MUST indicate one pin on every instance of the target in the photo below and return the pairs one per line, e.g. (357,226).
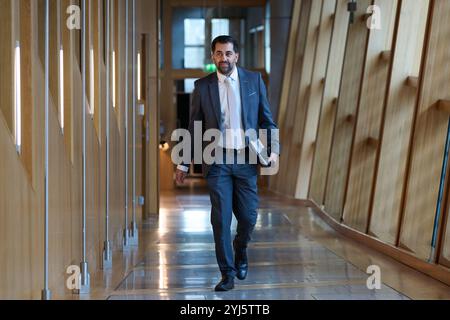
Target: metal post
(126,232)
(46,293)
(85,278)
(107,252)
(134,231)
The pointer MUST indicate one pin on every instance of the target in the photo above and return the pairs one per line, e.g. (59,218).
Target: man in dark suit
(231,100)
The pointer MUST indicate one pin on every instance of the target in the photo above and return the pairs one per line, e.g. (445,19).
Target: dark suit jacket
(256,112)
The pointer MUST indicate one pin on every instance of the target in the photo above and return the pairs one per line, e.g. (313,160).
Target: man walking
(232,100)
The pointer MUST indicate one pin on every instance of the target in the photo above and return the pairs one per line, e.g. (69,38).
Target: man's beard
(225,68)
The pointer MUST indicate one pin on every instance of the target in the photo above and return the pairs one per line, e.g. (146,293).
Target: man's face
(225,58)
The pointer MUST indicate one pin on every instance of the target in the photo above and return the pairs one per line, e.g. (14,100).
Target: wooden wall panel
(119,46)
(313,104)
(383,126)
(96,6)
(304,92)
(16,211)
(26,84)
(6,65)
(429,137)
(117,117)
(329,103)
(68,46)
(21,198)
(274,182)
(370,111)
(53,54)
(289,64)
(352,77)
(295,73)
(152,114)
(168,109)
(398,121)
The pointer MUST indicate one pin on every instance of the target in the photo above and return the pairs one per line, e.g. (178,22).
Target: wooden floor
(293,255)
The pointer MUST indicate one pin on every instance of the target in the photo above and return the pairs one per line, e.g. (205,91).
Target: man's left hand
(273,159)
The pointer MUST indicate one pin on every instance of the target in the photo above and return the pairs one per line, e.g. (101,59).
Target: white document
(261,151)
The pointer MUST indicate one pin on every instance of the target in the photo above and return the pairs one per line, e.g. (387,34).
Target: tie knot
(228,80)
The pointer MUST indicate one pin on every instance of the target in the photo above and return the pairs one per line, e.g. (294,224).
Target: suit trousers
(232,189)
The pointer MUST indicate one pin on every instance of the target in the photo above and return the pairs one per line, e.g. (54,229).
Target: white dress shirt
(231,108)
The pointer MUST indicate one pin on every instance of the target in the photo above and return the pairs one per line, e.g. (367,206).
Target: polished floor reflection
(293,255)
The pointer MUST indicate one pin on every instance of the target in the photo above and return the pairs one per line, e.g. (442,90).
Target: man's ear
(237,57)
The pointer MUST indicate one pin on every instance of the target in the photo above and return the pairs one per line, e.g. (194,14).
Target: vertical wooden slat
(371,106)
(95,6)
(68,48)
(314,101)
(287,76)
(304,92)
(152,113)
(289,62)
(288,123)
(168,115)
(352,76)
(429,137)
(54,55)
(329,103)
(27,89)
(398,121)
(119,34)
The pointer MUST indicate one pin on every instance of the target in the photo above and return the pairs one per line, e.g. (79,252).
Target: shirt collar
(234,75)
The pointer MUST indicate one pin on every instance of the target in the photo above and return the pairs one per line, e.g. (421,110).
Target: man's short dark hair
(224,40)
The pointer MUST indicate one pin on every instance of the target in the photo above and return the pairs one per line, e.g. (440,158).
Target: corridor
(102,196)
(294,255)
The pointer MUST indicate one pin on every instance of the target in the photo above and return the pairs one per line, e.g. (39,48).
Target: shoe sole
(223,290)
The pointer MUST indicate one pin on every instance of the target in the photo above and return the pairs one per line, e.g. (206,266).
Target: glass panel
(194,57)
(195,27)
(194,32)
(189,85)
(219,27)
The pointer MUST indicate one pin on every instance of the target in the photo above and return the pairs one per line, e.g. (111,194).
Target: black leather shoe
(240,262)
(242,270)
(226,284)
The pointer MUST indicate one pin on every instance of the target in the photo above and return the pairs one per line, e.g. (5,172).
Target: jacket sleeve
(265,118)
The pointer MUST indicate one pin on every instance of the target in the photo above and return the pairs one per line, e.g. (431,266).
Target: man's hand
(273,160)
(180,176)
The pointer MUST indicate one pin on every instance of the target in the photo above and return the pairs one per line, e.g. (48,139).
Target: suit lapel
(215,98)
(244,95)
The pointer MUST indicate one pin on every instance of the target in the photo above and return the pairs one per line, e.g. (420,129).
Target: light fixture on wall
(352,7)
(17,99)
(139,96)
(163,145)
(61,88)
(91,80)
(113,67)
(141,105)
